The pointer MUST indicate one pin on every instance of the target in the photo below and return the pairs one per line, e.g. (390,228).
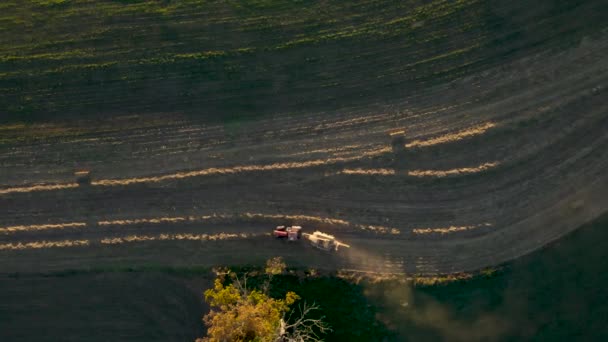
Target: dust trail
(36,227)
(172,237)
(364,261)
(389,287)
(448,230)
(44,244)
(472,131)
(402,305)
(46,187)
(459,171)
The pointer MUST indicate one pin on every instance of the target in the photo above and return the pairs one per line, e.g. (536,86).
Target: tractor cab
(292,233)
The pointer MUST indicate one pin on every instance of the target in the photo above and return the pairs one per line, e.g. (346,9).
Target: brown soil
(546,145)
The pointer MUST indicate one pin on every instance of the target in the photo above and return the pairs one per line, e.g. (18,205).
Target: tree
(242,314)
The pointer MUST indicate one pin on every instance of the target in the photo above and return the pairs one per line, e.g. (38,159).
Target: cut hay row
(449,230)
(178,237)
(44,244)
(128,239)
(369,172)
(213,218)
(352,122)
(452,172)
(238,169)
(190,174)
(421,173)
(480,129)
(35,227)
(252,217)
(47,187)
(147,220)
(451,137)
(350,148)
(379,229)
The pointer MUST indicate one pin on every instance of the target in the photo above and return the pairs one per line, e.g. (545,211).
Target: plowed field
(504,109)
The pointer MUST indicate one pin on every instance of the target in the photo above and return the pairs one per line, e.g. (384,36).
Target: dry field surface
(495,163)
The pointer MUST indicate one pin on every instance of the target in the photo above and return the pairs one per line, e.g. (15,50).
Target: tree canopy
(242,314)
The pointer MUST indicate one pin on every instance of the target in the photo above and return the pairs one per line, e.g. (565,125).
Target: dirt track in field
(494,166)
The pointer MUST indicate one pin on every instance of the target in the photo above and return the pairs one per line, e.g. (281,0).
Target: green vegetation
(228,59)
(240,312)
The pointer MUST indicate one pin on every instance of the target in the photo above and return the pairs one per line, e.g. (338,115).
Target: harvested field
(199,146)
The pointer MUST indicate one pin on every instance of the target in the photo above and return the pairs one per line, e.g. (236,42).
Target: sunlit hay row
(354,121)
(472,131)
(420,173)
(11,127)
(354,155)
(399,132)
(225,218)
(444,173)
(347,156)
(171,237)
(252,217)
(329,150)
(383,172)
(156,220)
(324,220)
(38,188)
(191,129)
(35,227)
(80,140)
(380,229)
(374,152)
(180,147)
(236,169)
(44,244)
(139,221)
(211,218)
(448,230)
(297,218)
(197,173)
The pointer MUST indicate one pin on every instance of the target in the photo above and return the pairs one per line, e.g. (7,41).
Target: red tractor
(292,233)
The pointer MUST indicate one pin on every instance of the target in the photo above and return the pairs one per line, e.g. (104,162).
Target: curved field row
(498,160)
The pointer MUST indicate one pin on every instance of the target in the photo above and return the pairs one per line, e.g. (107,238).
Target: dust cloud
(403,307)
(411,313)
